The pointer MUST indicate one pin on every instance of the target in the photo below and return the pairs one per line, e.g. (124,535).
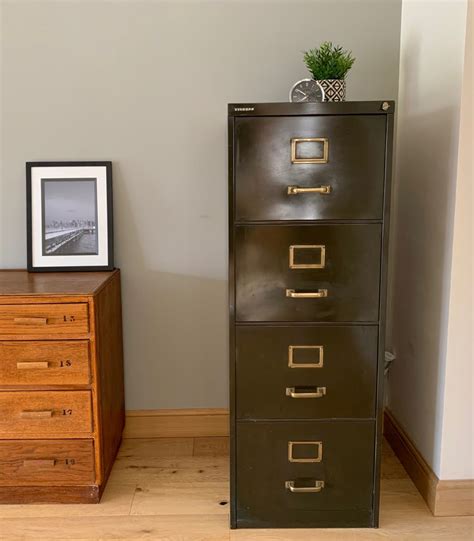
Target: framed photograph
(69,216)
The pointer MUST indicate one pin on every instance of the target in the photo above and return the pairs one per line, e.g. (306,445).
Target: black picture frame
(110,217)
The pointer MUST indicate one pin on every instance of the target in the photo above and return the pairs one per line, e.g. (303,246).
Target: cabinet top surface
(23,283)
(380,107)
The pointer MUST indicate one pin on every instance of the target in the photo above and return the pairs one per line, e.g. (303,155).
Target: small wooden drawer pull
(32,365)
(31,320)
(45,414)
(39,463)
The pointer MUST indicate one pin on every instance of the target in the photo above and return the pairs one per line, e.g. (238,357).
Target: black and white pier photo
(69,216)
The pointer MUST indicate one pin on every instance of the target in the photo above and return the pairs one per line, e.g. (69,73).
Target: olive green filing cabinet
(309,201)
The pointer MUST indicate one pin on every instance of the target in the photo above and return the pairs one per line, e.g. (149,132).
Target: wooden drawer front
(45,413)
(44,319)
(354,170)
(306,372)
(46,462)
(340,455)
(44,363)
(350,274)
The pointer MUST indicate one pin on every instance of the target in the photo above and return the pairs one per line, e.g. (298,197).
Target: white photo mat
(69,172)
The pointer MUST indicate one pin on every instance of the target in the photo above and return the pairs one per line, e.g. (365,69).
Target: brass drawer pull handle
(39,463)
(45,414)
(31,320)
(307,295)
(291,357)
(318,486)
(295,190)
(32,365)
(293,393)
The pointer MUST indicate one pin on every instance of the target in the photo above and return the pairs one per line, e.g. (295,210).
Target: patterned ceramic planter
(334,89)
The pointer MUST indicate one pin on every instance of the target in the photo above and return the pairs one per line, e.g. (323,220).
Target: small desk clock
(307,90)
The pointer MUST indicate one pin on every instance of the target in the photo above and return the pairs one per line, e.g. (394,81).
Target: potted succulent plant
(329,64)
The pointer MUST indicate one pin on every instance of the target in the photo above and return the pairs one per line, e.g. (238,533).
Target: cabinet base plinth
(360,518)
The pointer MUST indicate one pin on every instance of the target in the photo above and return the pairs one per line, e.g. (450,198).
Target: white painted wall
(457,444)
(431,68)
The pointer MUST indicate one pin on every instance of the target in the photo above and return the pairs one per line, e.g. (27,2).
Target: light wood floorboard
(176,489)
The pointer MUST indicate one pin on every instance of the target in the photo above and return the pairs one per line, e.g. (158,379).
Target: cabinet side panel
(382,312)
(111,401)
(231,270)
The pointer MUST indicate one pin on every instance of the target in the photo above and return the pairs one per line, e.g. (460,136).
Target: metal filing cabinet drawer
(305,473)
(308,272)
(279,160)
(311,372)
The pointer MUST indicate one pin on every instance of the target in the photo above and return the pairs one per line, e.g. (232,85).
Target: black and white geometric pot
(334,89)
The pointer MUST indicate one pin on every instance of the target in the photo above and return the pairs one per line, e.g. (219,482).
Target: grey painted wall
(145,84)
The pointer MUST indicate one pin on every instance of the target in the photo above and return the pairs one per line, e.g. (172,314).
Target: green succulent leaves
(328,61)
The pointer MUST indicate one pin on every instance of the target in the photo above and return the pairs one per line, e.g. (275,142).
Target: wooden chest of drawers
(309,188)
(61,385)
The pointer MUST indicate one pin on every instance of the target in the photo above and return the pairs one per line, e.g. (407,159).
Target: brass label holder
(293,364)
(322,260)
(318,455)
(294,151)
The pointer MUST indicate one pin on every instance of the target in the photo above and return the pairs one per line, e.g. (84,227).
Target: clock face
(306,90)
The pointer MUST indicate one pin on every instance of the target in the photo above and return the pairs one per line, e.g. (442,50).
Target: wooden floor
(177,490)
